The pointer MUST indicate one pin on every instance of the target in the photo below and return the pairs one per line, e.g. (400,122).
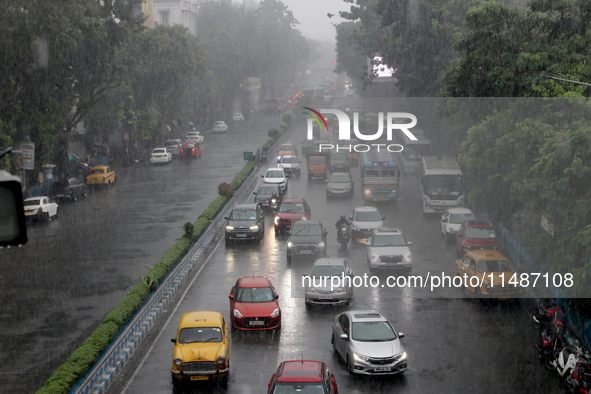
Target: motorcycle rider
(339,223)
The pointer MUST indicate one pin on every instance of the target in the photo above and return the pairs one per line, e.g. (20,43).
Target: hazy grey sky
(312,17)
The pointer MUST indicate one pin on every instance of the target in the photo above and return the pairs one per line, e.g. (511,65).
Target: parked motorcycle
(551,343)
(343,235)
(568,358)
(579,380)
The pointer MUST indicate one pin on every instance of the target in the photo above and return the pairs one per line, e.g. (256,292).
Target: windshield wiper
(212,340)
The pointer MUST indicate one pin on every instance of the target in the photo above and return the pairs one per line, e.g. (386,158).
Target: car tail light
(69,188)
(40,209)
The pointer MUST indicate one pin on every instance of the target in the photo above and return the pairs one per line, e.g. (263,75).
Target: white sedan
(40,208)
(194,137)
(220,125)
(276,176)
(160,155)
(237,117)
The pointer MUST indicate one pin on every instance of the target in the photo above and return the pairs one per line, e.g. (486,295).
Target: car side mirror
(400,335)
(443,219)
(344,337)
(262,176)
(255,193)
(226,217)
(409,243)
(173,340)
(231,296)
(276,296)
(383,218)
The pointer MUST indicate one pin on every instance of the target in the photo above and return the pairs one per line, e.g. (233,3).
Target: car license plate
(305,251)
(382,369)
(367,232)
(325,297)
(241,235)
(380,197)
(28,212)
(199,377)
(257,323)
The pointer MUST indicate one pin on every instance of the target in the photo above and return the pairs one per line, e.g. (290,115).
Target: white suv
(387,249)
(363,221)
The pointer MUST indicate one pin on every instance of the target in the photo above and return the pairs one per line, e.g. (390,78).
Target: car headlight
(311,290)
(276,220)
(237,314)
(374,257)
(402,356)
(367,191)
(407,257)
(255,227)
(359,357)
(289,244)
(221,360)
(452,230)
(229,228)
(178,362)
(304,218)
(342,289)
(275,312)
(321,244)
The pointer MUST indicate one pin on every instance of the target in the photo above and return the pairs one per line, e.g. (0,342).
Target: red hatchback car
(290,211)
(253,304)
(303,376)
(476,235)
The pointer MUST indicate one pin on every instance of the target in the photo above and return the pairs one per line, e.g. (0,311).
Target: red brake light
(40,209)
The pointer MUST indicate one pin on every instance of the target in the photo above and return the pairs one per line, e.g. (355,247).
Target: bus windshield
(443,185)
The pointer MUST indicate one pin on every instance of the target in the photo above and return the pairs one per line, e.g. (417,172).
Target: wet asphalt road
(454,345)
(59,286)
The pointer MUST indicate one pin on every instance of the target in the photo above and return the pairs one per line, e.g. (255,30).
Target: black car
(339,162)
(306,238)
(70,189)
(245,223)
(264,196)
(308,148)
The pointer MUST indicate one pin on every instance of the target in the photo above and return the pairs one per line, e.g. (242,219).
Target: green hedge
(83,358)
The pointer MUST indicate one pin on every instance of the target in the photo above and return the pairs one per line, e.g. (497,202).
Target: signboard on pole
(28,156)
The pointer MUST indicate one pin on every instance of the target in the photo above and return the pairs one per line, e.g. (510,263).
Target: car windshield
(299,387)
(243,215)
(158,151)
(338,156)
(32,202)
(388,240)
(289,159)
(306,230)
(371,216)
(339,178)
(200,334)
(320,271)
(292,207)
(460,217)
(373,331)
(480,232)
(274,174)
(172,143)
(97,171)
(288,148)
(254,294)
(267,191)
(317,160)
(494,266)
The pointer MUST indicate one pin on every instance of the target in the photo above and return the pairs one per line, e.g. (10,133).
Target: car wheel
(176,387)
(349,366)
(277,232)
(55,216)
(334,347)
(225,379)
(227,242)
(288,259)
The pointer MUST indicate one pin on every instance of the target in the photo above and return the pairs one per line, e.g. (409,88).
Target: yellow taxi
(488,274)
(101,175)
(201,350)
(286,149)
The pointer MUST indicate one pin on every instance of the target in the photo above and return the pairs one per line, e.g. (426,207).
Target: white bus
(413,151)
(442,184)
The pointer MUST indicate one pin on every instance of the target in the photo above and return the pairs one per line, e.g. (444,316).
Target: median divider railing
(116,355)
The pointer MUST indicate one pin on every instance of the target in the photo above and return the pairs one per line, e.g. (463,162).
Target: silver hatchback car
(329,282)
(368,343)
